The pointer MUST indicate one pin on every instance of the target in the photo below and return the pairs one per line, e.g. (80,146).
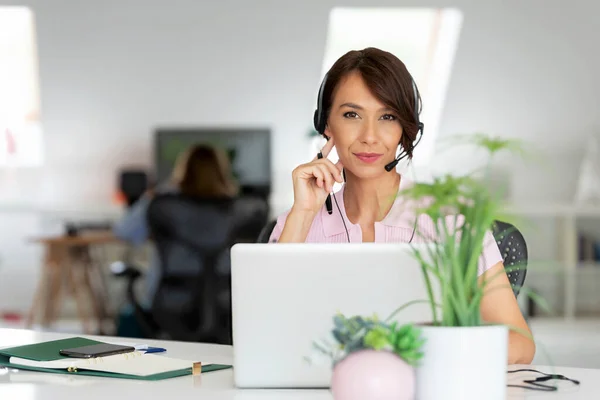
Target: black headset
(320,121)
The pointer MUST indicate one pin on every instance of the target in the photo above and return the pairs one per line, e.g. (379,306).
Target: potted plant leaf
(464,357)
(372,359)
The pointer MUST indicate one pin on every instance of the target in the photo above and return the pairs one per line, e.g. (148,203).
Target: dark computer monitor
(249,150)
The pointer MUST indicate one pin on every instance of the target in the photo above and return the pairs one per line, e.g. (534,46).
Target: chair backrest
(265,233)
(514,253)
(192,238)
(510,242)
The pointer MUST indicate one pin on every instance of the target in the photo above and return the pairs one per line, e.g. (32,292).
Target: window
(20,127)
(425,39)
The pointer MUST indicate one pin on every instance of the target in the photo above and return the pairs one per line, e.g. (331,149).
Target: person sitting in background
(202,172)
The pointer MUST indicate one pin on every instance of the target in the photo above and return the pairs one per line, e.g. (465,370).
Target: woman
(370,105)
(202,172)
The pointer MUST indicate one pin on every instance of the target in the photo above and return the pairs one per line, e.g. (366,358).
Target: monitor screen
(249,151)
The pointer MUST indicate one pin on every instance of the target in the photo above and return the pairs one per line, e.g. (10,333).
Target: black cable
(342,217)
(545,378)
(414,229)
(328,199)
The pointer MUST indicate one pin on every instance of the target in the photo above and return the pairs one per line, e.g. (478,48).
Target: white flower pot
(463,363)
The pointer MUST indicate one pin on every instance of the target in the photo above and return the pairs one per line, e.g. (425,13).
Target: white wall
(112,71)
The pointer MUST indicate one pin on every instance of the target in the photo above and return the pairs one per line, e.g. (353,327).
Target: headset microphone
(403,154)
(390,166)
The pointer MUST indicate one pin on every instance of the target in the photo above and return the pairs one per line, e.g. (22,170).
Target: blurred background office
(99,98)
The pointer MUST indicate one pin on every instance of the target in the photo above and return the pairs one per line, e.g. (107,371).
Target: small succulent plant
(360,333)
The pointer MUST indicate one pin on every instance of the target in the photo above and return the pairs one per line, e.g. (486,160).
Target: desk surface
(215,385)
(83,239)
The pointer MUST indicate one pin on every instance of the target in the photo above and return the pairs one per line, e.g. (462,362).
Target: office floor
(572,344)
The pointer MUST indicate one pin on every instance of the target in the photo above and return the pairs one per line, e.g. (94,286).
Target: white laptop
(284,297)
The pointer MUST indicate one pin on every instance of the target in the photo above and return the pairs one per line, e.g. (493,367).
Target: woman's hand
(313,181)
(499,306)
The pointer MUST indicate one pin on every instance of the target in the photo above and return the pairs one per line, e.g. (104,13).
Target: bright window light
(20,127)
(425,39)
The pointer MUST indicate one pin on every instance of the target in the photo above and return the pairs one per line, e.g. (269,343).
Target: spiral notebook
(45,357)
(130,364)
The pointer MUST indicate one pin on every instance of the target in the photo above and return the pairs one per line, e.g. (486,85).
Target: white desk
(217,385)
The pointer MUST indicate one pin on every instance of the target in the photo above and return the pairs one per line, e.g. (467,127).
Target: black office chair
(514,253)
(266,231)
(192,301)
(510,242)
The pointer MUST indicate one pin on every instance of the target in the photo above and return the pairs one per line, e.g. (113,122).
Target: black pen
(328,204)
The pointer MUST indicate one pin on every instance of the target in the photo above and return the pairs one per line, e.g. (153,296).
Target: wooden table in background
(72,263)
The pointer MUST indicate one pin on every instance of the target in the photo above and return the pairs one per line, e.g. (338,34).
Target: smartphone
(97,350)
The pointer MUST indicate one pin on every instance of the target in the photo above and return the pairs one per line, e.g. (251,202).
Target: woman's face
(366,133)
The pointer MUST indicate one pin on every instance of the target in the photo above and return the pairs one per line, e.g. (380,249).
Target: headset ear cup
(316,121)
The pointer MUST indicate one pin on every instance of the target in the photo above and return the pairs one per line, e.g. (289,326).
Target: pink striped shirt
(398,226)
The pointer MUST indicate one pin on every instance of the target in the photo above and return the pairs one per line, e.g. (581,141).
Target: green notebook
(44,357)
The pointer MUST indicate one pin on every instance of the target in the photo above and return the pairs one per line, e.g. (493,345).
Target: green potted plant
(463,356)
(372,359)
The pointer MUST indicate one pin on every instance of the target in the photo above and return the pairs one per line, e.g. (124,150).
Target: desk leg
(77,285)
(93,284)
(99,287)
(54,301)
(48,286)
(99,261)
(40,297)
(60,264)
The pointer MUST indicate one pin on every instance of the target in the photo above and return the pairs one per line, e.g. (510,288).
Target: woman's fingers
(333,170)
(325,173)
(327,148)
(324,151)
(328,177)
(319,176)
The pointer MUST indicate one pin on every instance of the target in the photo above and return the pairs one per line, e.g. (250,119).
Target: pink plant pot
(373,375)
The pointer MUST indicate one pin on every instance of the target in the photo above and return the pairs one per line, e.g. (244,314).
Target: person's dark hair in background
(204,171)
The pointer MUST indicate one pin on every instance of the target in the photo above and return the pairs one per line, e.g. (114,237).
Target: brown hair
(389,81)
(205,172)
